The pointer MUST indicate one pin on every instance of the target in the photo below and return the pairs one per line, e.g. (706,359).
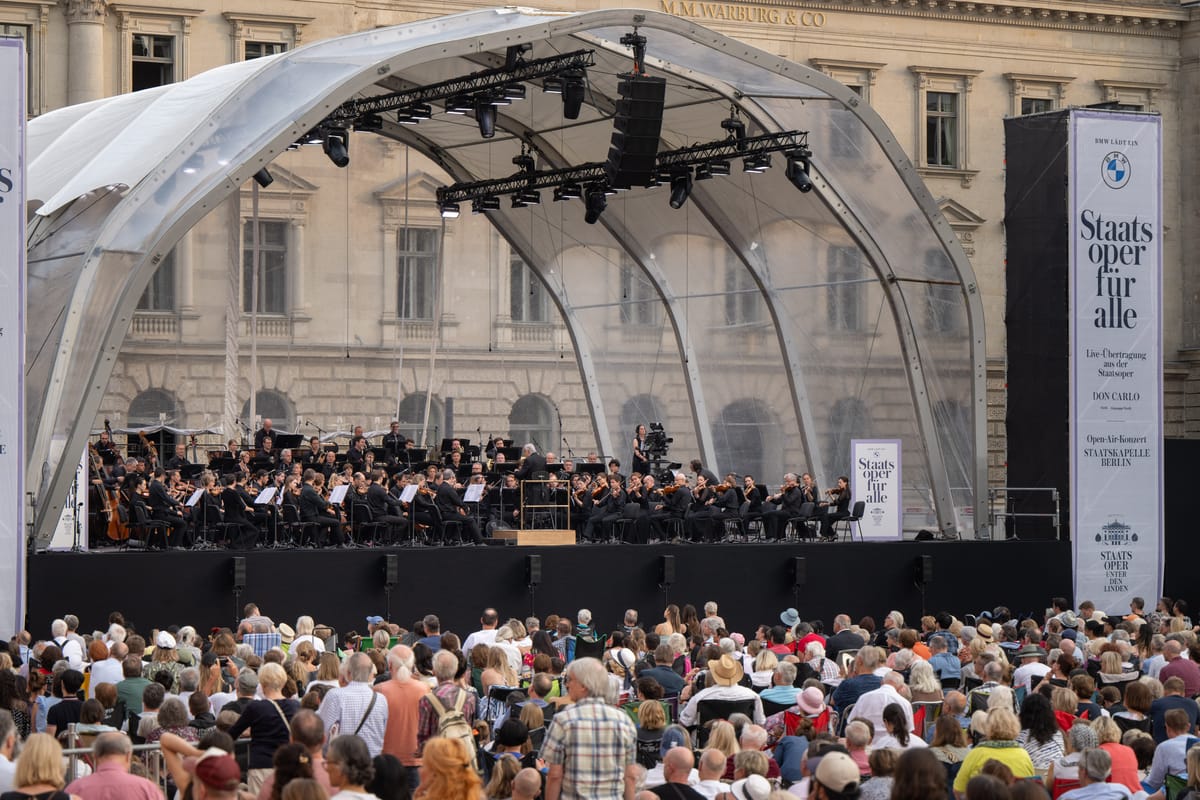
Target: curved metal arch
(129,259)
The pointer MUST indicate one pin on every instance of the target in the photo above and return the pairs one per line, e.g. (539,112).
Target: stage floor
(752,583)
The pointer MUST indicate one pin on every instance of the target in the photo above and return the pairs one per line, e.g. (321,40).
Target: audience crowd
(1078,705)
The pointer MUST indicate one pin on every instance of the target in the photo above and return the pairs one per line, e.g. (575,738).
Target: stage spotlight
(552,84)
(414,114)
(515,54)
(735,127)
(481,204)
(369,122)
(681,188)
(517,202)
(515,91)
(485,115)
(449,210)
(568,191)
(594,204)
(264,178)
(459,104)
(573,91)
(756,164)
(703,172)
(523,161)
(719,168)
(797,172)
(337,146)
(531,197)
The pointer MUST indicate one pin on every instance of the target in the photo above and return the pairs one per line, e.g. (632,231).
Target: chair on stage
(363,524)
(855,518)
(296,528)
(141,523)
(802,523)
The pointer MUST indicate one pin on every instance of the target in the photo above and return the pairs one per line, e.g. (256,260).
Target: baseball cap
(374,620)
(165,640)
(216,769)
(837,772)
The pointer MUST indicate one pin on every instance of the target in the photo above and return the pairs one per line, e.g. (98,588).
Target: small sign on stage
(876,482)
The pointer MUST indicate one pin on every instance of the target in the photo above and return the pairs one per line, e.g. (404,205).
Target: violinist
(315,509)
(835,508)
(752,502)
(787,506)
(724,506)
(651,500)
(423,510)
(243,465)
(809,493)
(636,505)
(698,521)
(238,512)
(385,508)
(167,509)
(581,503)
(452,507)
(676,500)
(607,511)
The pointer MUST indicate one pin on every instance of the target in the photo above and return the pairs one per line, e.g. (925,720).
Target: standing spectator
(1177,665)
(355,707)
(111,780)
(591,747)
(309,732)
(8,744)
(105,667)
(350,768)
(403,694)
(447,773)
(67,710)
(39,769)
(268,721)
(448,694)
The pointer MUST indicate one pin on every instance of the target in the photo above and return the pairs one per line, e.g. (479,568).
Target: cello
(117,531)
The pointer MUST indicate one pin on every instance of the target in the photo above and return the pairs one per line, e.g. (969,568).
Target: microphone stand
(312,424)
(570,452)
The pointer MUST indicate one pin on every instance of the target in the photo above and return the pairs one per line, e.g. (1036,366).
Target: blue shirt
(780,694)
(849,690)
(946,665)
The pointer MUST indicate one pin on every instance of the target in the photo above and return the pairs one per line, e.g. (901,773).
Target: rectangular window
(941,129)
(640,304)
(160,292)
(272,266)
(260,49)
(743,302)
(527,296)
(153,61)
(22,32)
(417,284)
(844,294)
(1036,105)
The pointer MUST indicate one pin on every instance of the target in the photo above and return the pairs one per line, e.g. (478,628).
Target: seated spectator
(1170,757)
(1063,774)
(1124,760)
(897,735)
(1002,730)
(883,765)
(923,683)
(1040,734)
(782,690)
(949,745)
(172,718)
(91,719)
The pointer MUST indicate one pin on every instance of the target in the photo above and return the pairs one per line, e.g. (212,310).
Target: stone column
(85,50)
(296,265)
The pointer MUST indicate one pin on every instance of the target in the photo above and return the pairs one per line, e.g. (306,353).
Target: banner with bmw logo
(1116,357)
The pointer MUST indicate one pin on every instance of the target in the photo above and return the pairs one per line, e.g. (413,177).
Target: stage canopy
(874,323)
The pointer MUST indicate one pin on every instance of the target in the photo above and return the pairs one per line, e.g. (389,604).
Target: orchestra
(280,490)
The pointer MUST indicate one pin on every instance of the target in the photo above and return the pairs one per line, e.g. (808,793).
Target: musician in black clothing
(837,507)
(698,520)
(809,493)
(314,455)
(451,506)
(166,508)
(315,509)
(179,460)
(424,511)
(787,505)
(676,501)
(608,510)
(238,512)
(266,432)
(267,451)
(357,453)
(384,507)
(394,443)
(698,469)
(724,506)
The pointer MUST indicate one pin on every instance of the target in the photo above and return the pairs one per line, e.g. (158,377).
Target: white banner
(1116,357)
(876,482)
(12,335)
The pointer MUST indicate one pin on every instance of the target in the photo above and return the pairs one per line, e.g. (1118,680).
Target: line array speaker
(925,570)
(637,127)
(799,571)
(391,570)
(239,573)
(533,570)
(666,570)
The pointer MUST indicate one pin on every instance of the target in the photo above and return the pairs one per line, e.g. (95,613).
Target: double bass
(117,530)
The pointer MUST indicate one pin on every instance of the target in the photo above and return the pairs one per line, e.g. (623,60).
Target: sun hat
(811,701)
(726,671)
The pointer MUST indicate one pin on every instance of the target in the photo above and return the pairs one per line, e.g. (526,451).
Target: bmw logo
(1114,169)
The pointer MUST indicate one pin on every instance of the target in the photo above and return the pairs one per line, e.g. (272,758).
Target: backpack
(453,725)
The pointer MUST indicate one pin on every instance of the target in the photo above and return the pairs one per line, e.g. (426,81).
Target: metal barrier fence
(150,755)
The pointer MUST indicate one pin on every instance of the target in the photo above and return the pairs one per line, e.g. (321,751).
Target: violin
(672,489)
(599,490)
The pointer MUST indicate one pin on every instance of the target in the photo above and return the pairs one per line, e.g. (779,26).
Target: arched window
(533,419)
(641,409)
(847,420)
(272,405)
(150,409)
(412,418)
(742,436)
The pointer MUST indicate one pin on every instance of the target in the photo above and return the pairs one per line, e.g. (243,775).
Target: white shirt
(8,769)
(486,636)
(220,700)
(317,644)
(513,654)
(654,777)
(710,789)
(871,705)
(346,706)
(1153,665)
(107,671)
(72,651)
(890,741)
(689,714)
(1023,675)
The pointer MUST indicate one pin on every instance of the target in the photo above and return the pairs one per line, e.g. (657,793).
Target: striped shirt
(347,706)
(594,743)
(262,642)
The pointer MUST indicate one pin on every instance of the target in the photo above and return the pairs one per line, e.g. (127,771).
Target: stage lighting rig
(798,165)
(734,125)
(337,146)
(594,203)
